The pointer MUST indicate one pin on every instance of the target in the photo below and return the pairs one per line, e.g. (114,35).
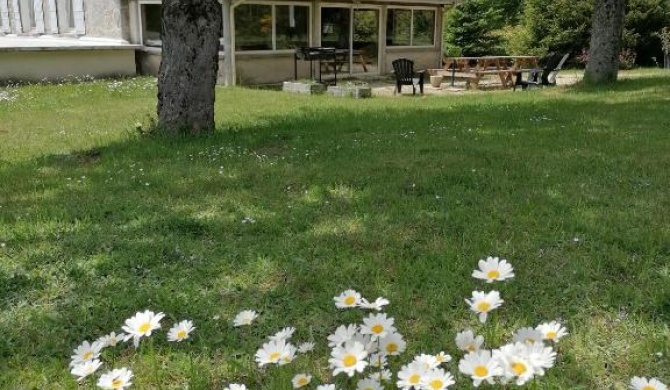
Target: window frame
(411,30)
(5,24)
(140,18)
(273,4)
(63,14)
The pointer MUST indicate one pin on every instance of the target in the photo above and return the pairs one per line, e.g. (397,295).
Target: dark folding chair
(525,84)
(549,77)
(405,75)
(552,64)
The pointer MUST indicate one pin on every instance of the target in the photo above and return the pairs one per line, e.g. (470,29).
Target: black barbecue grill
(313,54)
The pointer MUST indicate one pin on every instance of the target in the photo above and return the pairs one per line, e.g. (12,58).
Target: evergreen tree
(473,26)
(644,18)
(558,25)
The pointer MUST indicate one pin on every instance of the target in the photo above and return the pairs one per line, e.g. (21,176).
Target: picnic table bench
(474,69)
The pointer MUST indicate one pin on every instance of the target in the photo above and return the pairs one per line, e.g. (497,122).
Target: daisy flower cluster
(354,347)
(365,347)
(641,383)
(529,353)
(87,356)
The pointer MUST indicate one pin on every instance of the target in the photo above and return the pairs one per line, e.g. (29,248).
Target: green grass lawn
(295,199)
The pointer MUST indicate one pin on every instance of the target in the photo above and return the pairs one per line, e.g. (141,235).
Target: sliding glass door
(354,32)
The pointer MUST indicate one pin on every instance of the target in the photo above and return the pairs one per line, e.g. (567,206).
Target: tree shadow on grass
(282,216)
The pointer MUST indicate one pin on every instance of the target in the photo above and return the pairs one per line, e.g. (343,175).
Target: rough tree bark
(606,31)
(187,76)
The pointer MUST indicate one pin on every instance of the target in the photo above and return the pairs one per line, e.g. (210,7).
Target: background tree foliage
(538,27)
(474,27)
(644,20)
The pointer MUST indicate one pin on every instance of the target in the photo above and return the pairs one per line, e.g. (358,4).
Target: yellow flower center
(519,368)
(377,329)
(471,347)
(529,340)
(551,335)
(303,381)
(181,334)
(483,306)
(87,355)
(493,274)
(350,300)
(391,347)
(144,327)
(436,384)
(117,383)
(349,361)
(649,388)
(274,356)
(414,379)
(481,371)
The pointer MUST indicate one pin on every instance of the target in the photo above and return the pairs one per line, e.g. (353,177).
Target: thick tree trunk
(188,71)
(606,30)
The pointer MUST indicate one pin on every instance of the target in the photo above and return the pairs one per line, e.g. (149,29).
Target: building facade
(259,37)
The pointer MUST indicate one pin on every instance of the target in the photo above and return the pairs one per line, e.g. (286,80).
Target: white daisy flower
(468,342)
(393,344)
(327,386)
(368,384)
(443,357)
(381,376)
(86,352)
(348,359)
(552,331)
(493,269)
(342,334)
(273,352)
(377,360)
(483,303)
(437,379)
(116,379)
(235,386)
(112,339)
(642,383)
(515,362)
(289,354)
(305,347)
(378,304)
(411,376)
(428,361)
(82,370)
(283,334)
(180,331)
(301,380)
(245,317)
(480,366)
(377,325)
(541,357)
(142,324)
(348,299)
(527,335)
(371,345)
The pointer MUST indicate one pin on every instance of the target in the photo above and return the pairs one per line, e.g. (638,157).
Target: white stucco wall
(107,19)
(47,64)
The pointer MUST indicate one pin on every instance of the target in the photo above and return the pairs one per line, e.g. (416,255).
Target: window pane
(152,22)
(398,25)
(253,27)
(292,26)
(424,28)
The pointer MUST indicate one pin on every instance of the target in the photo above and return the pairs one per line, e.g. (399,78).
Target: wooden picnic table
(342,59)
(473,69)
